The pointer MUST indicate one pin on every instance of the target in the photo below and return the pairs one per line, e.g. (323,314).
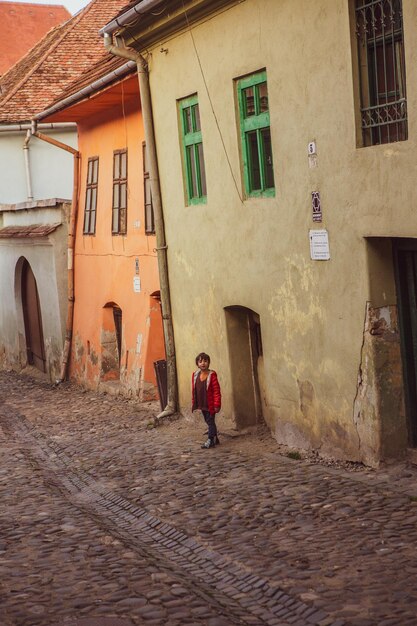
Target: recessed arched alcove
(111,341)
(246,364)
(29,314)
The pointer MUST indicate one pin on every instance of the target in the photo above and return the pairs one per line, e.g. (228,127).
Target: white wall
(47,257)
(51,167)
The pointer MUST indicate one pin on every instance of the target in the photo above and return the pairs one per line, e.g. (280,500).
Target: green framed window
(193,155)
(258,169)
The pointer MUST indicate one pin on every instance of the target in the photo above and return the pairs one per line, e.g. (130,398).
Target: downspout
(27,165)
(71,245)
(145,95)
(27,127)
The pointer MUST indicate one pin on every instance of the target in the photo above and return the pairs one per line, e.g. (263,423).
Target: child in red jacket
(207,396)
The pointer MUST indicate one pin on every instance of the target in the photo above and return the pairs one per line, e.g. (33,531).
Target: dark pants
(211,423)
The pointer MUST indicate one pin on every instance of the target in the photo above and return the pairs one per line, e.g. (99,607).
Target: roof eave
(139,9)
(88,90)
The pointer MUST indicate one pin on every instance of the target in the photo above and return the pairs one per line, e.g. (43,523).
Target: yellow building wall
(255,253)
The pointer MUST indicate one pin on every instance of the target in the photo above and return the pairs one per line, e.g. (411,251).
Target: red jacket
(214,396)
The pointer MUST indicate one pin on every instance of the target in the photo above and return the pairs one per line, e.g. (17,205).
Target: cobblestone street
(107,521)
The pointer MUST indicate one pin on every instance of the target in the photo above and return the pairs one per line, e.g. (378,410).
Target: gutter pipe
(12,128)
(71,243)
(145,96)
(126,19)
(27,165)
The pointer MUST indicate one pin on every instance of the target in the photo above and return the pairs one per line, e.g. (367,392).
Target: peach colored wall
(105,265)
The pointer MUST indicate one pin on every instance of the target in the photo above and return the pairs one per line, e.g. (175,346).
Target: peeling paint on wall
(182,262)
(298,314)
(139,340)
(378,409)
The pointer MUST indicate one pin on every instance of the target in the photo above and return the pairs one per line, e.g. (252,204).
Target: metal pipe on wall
(71,244)
(27,165)
(13,128)
(161,247)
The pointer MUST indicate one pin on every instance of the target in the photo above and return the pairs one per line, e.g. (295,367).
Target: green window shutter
(255,135)
(192,147)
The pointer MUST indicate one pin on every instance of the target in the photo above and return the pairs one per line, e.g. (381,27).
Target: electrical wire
(211,104)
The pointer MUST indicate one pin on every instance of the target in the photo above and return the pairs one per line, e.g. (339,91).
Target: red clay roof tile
(31,21)
(37,230)
(57,61)
(108,63)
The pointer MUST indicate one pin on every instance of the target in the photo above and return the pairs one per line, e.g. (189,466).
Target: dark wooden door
(33,319)
(117,316)
(405,255)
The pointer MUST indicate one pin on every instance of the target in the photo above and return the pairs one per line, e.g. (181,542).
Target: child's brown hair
(200,356)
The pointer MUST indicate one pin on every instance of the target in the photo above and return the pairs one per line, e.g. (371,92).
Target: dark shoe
(216,439)
(210,443)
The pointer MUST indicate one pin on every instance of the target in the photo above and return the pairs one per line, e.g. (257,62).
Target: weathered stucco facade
(328,373)
(33,235)
(117,328)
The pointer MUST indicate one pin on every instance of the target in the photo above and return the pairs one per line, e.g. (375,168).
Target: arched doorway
(246,364)
(35,348)
(111,342)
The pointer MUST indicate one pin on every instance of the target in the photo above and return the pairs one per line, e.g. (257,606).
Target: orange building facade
(117,327)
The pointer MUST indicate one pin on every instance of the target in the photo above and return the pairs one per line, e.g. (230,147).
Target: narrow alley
(105,520)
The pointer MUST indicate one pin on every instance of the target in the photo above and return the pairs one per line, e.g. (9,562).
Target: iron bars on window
(379,31)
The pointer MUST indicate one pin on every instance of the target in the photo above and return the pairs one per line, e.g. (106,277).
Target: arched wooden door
(33,320)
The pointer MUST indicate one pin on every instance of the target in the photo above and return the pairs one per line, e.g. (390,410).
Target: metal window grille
(149,214)
(379,31)
(91,197)
(119,212)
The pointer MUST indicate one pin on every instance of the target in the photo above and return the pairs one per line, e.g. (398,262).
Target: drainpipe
(71,244)
(27,165)
(20,127)
(14,128)
(145,96)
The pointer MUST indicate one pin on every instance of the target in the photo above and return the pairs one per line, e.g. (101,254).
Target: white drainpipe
(13,128)
(27,165)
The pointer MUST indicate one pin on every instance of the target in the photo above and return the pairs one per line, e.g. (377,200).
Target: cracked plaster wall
(254,252)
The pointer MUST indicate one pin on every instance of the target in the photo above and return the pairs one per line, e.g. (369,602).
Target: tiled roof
(23,232)
(107,64)
(31,22)
(56,62)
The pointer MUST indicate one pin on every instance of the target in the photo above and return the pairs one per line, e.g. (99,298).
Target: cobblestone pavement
(107,522)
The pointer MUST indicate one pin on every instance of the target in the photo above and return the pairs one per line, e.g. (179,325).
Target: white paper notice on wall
(319,245)
(136,284)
